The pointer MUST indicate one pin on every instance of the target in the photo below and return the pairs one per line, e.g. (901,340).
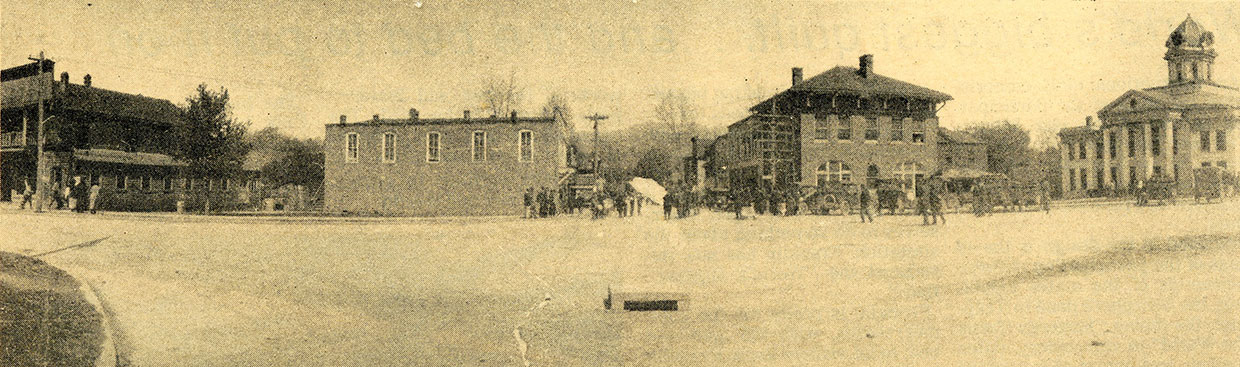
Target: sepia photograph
(619,183)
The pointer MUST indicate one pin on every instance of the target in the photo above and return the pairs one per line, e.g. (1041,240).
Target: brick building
(846,124)
(117,140)
(1168,130)
(443,167)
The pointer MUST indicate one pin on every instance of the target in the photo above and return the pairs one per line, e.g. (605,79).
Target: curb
(108,355)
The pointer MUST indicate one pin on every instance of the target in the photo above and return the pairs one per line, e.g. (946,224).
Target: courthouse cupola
(1190,53)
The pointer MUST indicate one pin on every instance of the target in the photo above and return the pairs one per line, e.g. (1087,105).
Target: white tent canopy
(649,189)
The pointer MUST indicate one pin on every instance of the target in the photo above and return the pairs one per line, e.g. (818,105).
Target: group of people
(78,197)
(541,203)
(683,201)
(986,197)
(775,202)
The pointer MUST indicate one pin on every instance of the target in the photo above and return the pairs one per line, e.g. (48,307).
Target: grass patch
(44,319)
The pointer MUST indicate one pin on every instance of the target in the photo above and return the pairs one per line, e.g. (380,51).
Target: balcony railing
(11,140)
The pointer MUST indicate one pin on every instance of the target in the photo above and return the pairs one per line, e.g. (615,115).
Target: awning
(120,157)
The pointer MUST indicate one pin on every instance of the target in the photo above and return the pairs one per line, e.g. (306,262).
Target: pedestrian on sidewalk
(94,197)
(27,194)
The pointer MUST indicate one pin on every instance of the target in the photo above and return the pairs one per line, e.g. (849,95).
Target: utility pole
(596,118)
(43,177)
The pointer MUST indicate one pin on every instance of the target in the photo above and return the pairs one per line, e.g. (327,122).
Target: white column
(1121,152)
(1168,154)
(1065,161)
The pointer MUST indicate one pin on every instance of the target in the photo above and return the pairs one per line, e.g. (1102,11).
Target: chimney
(514,115)
(64,77)
(86,80)
(343,119)
(413,114)
(694,142)
(376,118)
(467,114)
(797,75)
(867,65)
(1089,121)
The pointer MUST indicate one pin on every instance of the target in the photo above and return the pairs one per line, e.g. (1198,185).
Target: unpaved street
(1101,286)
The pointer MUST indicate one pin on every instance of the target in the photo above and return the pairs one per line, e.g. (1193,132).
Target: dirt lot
(1084,286)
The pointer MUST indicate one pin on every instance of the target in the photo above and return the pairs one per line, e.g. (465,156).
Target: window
(350,148)
(1098,176)
(189,184)
(526,146)
(1084,179)
(1195,71)
(1205,164)
(871,129)
(844,131)
(95,179)
(432,147)
(389,148)
(908,172)
(1071,151)
(211,185)
(822,127)
(224,184)
(1132,176)
(1222,164)
(480,146)
(120,182)
(897,129)
(1132,143)
(167,183)
(1098,150)
(1175,139)
(146,183)
(1205,141)
(1220,140)
(1072,179)
(838,171)
(1114,176)
(919,133)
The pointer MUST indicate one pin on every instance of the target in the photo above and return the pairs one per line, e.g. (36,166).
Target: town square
(629,183)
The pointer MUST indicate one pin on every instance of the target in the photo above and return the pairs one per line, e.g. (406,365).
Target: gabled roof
(844,79)
(1191,94)
(108,102)
(958,137)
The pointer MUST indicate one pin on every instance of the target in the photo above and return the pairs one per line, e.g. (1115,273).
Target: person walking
(669,201)
(76,195)
(866,200)
(27,194)
(94,197)
(935,205)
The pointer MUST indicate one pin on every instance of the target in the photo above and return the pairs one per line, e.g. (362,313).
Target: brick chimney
(64,78)
(467,114)
(376,118)
(867,66)
(1089,121)
(413,114)
(514,115)
(86,80)
(797,75)
(344,119)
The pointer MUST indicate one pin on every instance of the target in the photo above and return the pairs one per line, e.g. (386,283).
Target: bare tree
(501,95)
(677,115)
(557,101)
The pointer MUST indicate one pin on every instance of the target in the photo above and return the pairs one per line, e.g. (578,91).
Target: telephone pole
(42,176)
(596,118)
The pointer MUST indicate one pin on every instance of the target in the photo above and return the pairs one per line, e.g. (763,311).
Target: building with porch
(1168,130)
(117,140)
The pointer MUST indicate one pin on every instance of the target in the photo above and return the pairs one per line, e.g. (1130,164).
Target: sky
(298,65)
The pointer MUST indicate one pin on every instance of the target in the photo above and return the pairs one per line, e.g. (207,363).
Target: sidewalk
(252,217)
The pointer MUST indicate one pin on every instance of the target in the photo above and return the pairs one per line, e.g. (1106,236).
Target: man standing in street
(94,197)
(867,199)
(77,195)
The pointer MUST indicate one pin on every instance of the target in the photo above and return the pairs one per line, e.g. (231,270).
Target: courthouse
(1167,130)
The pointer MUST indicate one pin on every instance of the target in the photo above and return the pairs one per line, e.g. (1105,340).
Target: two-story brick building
(443,166)
(848,125)
(1169,130)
